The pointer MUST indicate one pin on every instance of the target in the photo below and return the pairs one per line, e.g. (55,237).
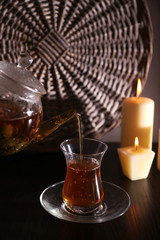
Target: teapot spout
(50,125)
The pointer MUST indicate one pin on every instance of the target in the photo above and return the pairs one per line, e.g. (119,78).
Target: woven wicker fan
(87,53)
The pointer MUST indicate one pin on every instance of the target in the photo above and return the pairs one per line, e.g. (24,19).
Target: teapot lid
(20,75)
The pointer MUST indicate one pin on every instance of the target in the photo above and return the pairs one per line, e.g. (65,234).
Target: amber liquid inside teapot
(18,132)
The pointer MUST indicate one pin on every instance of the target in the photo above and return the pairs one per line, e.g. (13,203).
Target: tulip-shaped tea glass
(83,190)
(83,197)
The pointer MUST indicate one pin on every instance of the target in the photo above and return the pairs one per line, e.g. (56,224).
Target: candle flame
(136,142)
(139,87)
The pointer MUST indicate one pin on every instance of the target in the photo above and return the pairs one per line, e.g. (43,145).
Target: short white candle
(136,161)
(137,120)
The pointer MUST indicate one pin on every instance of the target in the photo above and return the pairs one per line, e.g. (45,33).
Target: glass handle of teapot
(24,59)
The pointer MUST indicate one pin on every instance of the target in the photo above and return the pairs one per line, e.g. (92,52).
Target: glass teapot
(21,110)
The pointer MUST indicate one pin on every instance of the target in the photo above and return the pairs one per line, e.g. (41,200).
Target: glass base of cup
(95,210)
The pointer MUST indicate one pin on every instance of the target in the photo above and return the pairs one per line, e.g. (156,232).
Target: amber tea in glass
(83,190)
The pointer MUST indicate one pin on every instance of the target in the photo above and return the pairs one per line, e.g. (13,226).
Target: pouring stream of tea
(78,116)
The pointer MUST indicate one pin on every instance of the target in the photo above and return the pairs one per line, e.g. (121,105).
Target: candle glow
(136,143)
(139,87)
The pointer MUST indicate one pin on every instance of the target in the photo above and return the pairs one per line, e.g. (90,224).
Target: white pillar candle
(137,120)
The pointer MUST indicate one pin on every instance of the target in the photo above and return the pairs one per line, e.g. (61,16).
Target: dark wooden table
(24,176)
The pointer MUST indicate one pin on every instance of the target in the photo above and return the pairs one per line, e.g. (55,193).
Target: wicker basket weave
(88,54)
